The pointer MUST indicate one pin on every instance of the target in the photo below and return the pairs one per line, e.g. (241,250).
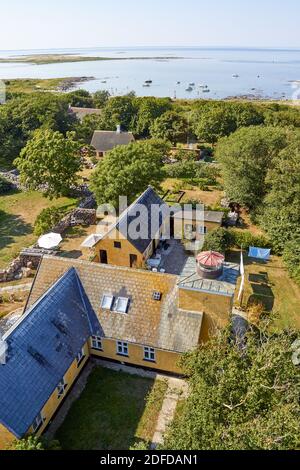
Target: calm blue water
(262,72)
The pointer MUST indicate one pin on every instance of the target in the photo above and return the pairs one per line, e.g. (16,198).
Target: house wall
(166,361)
(179,226)
(215,307)
(6,438)
(54,402)
(118,256)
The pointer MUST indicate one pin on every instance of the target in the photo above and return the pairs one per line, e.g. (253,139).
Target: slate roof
(103,141)
(159,324)
(41,348)
(156,213)
(209,216)
(150,224)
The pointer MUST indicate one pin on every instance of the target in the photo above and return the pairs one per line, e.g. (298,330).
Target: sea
(176,72)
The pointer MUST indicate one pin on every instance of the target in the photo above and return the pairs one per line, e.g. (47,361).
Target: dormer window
(107,302)
(121,305)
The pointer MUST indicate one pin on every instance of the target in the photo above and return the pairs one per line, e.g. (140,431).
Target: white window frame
(149,354)
(37,422)
(97,343)
(122,348)
(107,301)
(61,388)
(202,230)
(124,309)
(80,356)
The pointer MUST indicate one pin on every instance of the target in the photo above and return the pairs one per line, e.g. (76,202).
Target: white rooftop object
(50,240)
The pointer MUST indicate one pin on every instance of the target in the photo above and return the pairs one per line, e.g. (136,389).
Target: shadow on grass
(107,414)
(12,226)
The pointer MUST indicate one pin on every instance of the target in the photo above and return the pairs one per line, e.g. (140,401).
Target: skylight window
(156,296)
(107,302)
(121,305)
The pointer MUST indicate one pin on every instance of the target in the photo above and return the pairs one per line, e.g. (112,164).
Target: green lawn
(114,411)
(269,283)
(18,211)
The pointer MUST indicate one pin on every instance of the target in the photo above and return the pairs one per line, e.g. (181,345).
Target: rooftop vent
(210,264)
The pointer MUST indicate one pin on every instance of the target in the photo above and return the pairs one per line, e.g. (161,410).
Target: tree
(291,257)
(21,116)
(212,123)
(170,126)
(240,398)
(245,158)
(50,160)
(281,210)
(80,98)
(119,110)
(127,171)
(219,240)
(148,109)
(85,129)
(100,98)
(215,120)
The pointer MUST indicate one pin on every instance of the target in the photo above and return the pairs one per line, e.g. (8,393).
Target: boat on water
(203,86)
(178,83)
(146,85)
(235,75)
(189,88)
(206,90)
(147,82)
(192,84)
(104,81)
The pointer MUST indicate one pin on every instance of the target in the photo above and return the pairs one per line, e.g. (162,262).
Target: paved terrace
(176,260)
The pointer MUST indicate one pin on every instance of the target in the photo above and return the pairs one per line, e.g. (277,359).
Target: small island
(43,59)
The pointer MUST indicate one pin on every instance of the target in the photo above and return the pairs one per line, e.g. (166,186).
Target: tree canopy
(240,399)
(170,126)
(51,160)
(281,208)
(245,158)
(128,171)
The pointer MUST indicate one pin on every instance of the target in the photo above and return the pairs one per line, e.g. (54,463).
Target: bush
(219,240)
(245,239)
(47,219)
(5,185)
(189,169)
(29,443)
(291,258)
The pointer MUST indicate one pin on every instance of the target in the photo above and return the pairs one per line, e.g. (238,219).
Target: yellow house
(148,218)
(78,308)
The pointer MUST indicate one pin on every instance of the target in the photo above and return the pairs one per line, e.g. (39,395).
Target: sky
(42,24)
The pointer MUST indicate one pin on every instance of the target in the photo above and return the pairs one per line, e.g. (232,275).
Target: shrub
(5,185)
(47,219)
(190,169)
(291,258)
(245,239)
(29,443)
(218,240)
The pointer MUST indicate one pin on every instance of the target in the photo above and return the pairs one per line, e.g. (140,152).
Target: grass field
(18,211)
(269,283)
(209,198)
(114,411)
(30,85)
